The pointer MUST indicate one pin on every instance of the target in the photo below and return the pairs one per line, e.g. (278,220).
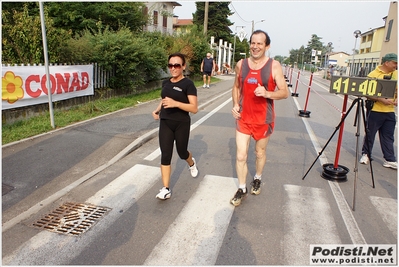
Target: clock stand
(338,172)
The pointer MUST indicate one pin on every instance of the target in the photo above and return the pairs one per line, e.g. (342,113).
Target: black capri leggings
(170,131)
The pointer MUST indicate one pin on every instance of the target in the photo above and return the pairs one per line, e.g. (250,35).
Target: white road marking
(347,215)
(388,210)
(48,248)
(307,220)
(195,237)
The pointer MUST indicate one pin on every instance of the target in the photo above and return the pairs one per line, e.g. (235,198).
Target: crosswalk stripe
(127,188)
(48,248)
(196,235)
(307,220)
(388,210)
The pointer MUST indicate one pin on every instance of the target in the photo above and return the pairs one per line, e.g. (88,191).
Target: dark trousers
(171,131)
(383,123)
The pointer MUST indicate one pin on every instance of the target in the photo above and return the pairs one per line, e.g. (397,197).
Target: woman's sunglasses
(176,66)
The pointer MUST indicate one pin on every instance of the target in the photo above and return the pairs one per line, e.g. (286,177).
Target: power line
(235,11)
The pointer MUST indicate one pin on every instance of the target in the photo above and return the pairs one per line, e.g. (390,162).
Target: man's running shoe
(164,193)
(255,190)
(193,169)
(236,200)
(364,159)
(390,164)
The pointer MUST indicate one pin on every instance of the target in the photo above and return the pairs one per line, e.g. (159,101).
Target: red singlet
(257,113)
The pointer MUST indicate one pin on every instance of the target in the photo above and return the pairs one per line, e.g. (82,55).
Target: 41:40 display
(355,87)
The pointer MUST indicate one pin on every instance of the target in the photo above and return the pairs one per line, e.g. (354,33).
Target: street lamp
(356,33)
(253,24)
(234,49)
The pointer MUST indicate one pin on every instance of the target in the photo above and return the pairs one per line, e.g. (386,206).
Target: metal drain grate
(71,218)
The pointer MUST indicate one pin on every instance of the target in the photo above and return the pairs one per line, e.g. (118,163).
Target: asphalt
(63,158)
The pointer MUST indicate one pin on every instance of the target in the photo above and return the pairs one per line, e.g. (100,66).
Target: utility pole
(48,82)
(206,17)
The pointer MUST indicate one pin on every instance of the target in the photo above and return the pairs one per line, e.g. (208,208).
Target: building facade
(160,16)
(374,44)
(181,26)
(390,42)
(340,59)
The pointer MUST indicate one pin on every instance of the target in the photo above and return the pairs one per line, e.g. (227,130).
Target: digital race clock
(362,86)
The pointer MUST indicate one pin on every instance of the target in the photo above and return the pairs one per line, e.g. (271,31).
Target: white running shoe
(204,86)
(193,169)
(390,164)
(207,86)
(164,193)
(364,159)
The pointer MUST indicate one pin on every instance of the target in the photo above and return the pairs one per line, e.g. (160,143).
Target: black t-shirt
(178,91)
(208,64)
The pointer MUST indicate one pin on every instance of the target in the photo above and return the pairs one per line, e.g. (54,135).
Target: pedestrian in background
(207,69)
(331,71)
(179,98)
(381,117)
(259,80)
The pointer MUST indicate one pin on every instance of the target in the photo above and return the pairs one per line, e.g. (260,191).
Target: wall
(391,46)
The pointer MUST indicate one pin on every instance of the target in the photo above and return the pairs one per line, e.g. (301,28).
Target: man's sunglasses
(176,66)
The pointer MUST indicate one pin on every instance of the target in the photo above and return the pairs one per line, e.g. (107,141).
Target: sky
(290,24)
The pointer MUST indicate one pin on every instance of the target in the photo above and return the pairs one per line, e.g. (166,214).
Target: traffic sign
(241,35)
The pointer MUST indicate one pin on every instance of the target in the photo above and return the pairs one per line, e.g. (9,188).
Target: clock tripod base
(340,172)
(337,174)
(304,113)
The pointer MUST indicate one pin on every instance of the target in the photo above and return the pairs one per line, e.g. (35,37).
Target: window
(388,36)
(165,22)
(155,18)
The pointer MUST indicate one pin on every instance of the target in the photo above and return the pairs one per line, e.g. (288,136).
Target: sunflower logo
(11,87)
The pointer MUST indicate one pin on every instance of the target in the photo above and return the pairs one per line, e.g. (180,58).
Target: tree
(218,22)
(280,59)
(22,35)
(241,47)
(313,44)
(78,16)
(297,56)
(304,55)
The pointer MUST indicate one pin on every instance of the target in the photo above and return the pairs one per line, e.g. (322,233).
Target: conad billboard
(27,85)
